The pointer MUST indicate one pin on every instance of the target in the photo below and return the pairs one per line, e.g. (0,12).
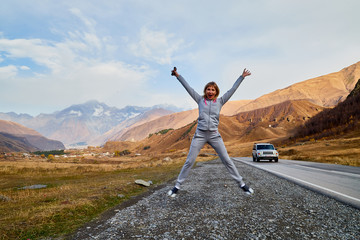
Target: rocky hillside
(15,137)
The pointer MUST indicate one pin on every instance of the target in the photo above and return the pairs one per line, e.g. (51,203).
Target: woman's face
(210,92)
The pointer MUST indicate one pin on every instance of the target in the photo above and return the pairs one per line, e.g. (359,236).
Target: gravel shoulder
(211,206)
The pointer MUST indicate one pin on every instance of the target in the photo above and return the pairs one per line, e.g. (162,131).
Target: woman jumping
(207,129)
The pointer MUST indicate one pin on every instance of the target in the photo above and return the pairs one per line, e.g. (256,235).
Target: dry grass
(344,151)
(75,193)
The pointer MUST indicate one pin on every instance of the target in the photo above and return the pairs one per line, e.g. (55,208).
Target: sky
(54,54)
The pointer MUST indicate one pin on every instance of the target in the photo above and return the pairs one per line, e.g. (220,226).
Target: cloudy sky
(57,53)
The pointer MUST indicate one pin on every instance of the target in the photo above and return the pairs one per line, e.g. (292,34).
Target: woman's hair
(215,86)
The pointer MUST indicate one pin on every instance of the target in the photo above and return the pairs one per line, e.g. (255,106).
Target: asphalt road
(337,181)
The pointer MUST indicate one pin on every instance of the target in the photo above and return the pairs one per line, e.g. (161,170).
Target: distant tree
(51,157)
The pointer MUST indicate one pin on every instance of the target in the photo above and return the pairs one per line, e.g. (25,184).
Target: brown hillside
(119,130)
(327,90)
(16,129)
(12,143)
(231,107)
(174,121)
(173,140)
(270,122)
(25,138)
(335,122)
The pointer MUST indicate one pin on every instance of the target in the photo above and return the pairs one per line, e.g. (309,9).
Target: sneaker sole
(171,194)
(250,192)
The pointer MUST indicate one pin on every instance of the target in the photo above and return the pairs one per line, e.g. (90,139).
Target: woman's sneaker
(248,190)
(173,192)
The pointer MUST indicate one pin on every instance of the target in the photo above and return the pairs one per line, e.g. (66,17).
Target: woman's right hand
(174,72)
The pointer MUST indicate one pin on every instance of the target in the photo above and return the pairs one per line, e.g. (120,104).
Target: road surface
(337,181)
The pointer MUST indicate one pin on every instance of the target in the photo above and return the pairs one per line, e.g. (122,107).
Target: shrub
(164,131)
(47,153)
(122,153)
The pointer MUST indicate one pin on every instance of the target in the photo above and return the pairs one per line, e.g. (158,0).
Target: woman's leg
(218,144)
(197,143)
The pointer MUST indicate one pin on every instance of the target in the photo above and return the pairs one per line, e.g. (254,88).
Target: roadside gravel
(211,206)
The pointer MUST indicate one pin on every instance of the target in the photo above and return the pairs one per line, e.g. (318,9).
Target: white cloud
(24,68)
(78,65)
(157,46)
(41,52)
(8,72)
(87,21)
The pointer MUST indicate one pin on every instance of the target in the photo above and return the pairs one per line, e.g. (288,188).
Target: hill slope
(119,130)
(15,137)
(11,143)
(326,91)
(174,121)
(335,122)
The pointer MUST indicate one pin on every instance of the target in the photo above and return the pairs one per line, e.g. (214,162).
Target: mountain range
(83,124)
(272,115)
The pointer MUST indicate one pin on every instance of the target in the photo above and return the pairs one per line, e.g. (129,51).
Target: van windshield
(261,147)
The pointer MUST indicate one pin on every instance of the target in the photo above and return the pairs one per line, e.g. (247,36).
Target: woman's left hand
(246,73)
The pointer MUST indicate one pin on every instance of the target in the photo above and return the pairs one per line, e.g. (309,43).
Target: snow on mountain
(79,122)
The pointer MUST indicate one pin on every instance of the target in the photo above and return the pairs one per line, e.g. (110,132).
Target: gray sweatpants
(214,139)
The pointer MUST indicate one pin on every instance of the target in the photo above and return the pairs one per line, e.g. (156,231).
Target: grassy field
(76,192)
(343,151)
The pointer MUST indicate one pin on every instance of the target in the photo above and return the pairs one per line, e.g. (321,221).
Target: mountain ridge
(85,122)
(326,90)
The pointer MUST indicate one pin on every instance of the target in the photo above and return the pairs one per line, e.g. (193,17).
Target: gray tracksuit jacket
(209,110)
